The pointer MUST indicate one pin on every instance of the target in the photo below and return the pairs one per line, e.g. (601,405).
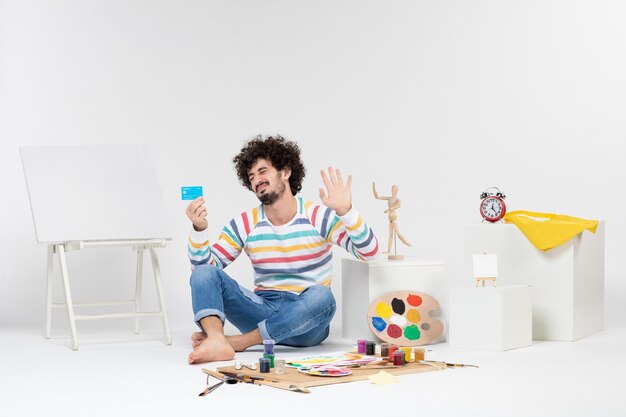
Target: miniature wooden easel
(485,269)
(393,203)
(482,280)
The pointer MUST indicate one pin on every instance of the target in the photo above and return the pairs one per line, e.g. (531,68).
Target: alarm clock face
(492,209)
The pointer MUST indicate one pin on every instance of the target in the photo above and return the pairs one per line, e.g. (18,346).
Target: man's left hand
(338,196)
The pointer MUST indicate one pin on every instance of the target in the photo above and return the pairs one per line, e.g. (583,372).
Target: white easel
(92,197)
(485,268)
(138,245)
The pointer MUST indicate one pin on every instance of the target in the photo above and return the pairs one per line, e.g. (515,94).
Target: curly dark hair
(280,152)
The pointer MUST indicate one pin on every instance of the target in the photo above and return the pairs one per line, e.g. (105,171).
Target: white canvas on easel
(96,196)
(93,193)
(485,268)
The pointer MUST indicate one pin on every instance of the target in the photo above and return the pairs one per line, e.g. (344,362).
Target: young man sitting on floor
(289,242)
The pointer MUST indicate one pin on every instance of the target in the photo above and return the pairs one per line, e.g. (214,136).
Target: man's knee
(204,275)
(320,295)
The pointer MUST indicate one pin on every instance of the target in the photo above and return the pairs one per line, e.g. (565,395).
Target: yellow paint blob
(383,310)
(413,316)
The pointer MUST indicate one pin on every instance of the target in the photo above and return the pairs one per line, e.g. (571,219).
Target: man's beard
(271,197)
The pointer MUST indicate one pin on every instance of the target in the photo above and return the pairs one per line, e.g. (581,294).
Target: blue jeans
(289,319)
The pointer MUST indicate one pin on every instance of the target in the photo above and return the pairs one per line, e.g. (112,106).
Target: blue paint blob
(378,323)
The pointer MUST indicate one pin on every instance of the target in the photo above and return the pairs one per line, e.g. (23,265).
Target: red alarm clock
(492,206)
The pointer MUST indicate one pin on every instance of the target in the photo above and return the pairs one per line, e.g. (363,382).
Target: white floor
(118,373)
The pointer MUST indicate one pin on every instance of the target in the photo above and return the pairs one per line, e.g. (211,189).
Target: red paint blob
(414,300)
(394,331)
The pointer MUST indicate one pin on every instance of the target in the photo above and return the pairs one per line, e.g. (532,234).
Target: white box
(363,282)
(490,318)
(567,281)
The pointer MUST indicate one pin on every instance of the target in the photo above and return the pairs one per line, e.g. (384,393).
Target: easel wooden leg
(68,295)
(49,291)
(159,285)
(138,278)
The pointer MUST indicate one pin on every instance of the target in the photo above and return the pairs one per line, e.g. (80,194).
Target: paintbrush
(372,365)
(248,379)
(222,378)
(451,365)
(460,365)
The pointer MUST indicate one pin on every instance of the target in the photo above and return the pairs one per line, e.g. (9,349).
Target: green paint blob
(412,332)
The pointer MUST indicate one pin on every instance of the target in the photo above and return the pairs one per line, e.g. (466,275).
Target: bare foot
(197,338)
(215,348)
(240,342)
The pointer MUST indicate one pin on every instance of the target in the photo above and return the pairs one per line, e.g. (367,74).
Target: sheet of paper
(383,378)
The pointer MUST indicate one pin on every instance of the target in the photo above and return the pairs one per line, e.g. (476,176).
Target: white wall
(442,98)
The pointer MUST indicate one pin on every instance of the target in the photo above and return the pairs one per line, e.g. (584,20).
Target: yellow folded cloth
(546,230)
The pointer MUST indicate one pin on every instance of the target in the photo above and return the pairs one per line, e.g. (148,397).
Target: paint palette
(405,318)
(336,359)
(325,370)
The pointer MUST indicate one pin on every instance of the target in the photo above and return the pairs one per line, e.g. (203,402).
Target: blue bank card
(191,193)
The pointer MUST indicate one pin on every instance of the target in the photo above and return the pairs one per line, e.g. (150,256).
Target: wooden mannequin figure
(393,203)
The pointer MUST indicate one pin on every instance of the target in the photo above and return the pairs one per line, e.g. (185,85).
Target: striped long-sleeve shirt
(289,257)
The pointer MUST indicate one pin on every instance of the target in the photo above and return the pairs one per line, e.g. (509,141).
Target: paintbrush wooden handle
(281,385)
(380,367)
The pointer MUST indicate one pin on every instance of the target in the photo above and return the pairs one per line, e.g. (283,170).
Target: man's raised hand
(338,196)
